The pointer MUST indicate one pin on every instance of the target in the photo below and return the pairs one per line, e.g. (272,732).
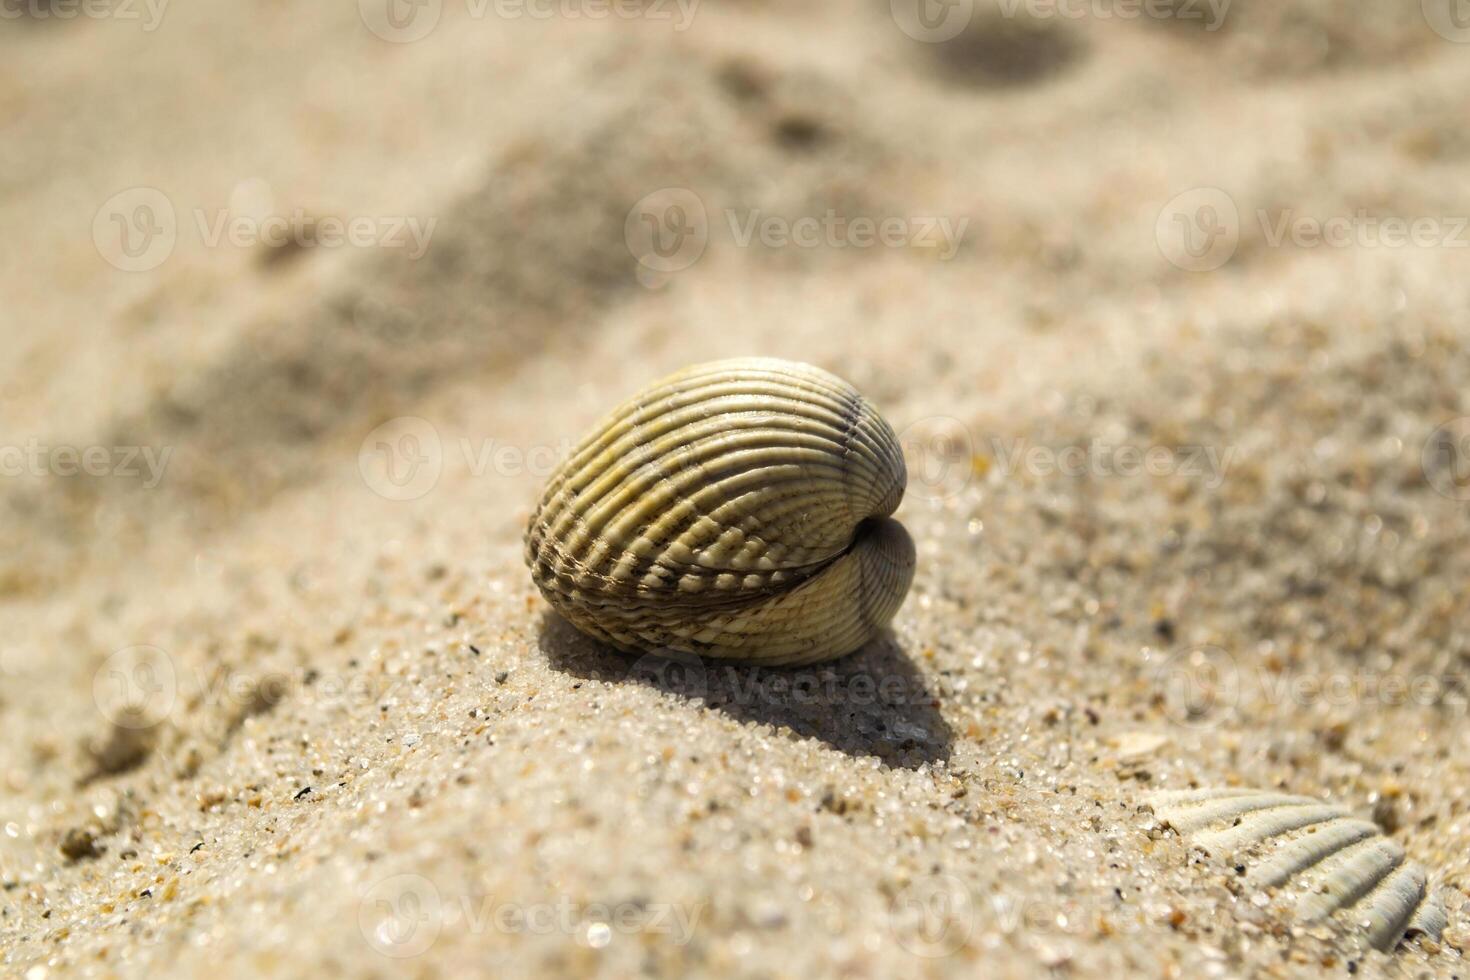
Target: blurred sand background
(365,695)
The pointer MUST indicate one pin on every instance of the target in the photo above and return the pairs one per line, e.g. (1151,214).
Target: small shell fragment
(1332,864)
(1137,745)
(737,510)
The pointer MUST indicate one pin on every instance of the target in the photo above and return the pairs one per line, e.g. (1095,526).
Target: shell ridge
(626,494)
(1262,826)
(1335,865)
(1386,911)
(1304,851)
(1344,878)
(731,510)
(1192,818)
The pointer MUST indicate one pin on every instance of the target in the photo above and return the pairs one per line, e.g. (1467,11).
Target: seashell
(1331,863)
(737,509)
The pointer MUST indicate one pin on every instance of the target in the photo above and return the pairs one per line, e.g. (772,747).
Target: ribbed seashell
(1330,863)
(737,510)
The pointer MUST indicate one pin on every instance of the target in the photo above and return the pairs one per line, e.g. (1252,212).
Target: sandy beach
(304,302)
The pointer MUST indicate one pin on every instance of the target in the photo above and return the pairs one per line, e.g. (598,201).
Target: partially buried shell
(1328,863)
(738,509)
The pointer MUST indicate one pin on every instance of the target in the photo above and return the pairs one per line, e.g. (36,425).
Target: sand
(279,698)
